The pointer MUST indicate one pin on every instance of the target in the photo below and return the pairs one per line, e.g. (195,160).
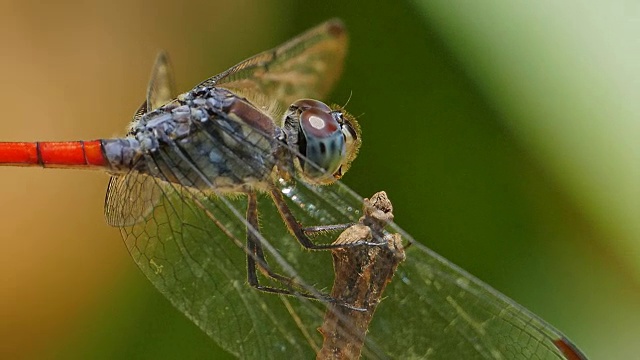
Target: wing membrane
(202,272)
(305,67)
(141,192)
(130,199)
(432,308)
(161,88)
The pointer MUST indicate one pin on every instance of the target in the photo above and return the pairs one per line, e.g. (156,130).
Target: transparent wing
(130,199)
(142,193)
(434,309)
(161,88)
(307,66)
(191,246)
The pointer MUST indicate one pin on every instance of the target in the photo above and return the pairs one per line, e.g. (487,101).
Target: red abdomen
(67,154)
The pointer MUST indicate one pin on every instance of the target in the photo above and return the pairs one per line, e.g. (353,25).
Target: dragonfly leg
(301,232)
(255,255)
(326,228)
(257,261)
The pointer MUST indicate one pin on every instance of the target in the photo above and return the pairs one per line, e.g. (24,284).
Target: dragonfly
(218,191)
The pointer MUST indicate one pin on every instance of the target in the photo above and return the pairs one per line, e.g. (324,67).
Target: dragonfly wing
(307,66)
(192,250)
(141,192)
(130,199)
(432,308)
(142,109)
(162,87)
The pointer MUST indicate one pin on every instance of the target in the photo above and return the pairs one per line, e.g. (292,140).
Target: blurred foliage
(446,102)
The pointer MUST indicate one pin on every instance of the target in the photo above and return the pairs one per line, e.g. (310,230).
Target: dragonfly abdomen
(49,154)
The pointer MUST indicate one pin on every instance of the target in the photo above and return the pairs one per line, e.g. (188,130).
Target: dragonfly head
(326,140)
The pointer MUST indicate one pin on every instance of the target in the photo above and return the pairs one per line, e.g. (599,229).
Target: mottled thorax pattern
(207,138)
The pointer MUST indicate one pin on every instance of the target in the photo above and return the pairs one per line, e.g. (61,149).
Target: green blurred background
(506,135)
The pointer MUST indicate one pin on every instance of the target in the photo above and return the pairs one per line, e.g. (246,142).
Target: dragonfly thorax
(206,138)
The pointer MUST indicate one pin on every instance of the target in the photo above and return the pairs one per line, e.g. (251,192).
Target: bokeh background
(505,133)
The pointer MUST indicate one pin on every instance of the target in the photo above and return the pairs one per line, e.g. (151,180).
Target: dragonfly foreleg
(300,232)
(326,228)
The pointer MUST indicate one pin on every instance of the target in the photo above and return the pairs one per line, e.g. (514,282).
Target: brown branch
(361,275)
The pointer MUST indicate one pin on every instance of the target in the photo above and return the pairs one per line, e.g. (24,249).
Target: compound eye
(323,143)
(318,123)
